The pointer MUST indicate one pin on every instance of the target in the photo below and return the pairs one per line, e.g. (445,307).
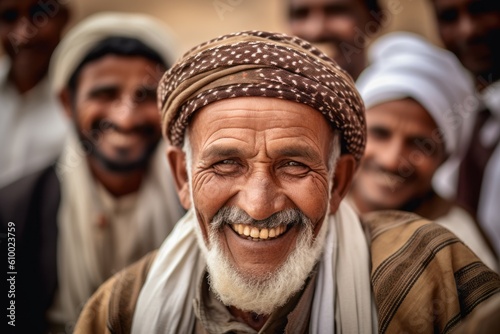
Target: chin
(262,294)
(121,165)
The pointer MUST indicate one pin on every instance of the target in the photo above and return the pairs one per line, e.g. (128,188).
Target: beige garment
(33,128)
(458,221)
(342,299)
(90,248)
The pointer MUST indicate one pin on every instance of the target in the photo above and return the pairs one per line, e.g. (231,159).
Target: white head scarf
(89,32)
(406,65)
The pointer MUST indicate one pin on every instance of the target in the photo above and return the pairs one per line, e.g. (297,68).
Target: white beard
(262,295)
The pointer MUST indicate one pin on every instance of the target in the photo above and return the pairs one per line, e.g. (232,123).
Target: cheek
(371,148)
(50,31)
(426,168)
(151,115)
(209,194)
(310,196)
(87,114)
(448,36)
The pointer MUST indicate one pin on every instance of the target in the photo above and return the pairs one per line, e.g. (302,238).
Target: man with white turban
(109,198)
(414,92)
(266,133)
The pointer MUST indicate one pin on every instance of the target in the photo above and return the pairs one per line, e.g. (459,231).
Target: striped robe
(425,280)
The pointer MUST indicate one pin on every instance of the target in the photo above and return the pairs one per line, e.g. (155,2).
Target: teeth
(264,233)
(256,233)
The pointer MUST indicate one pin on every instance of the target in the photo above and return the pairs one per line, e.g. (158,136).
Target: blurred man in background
(471,30)
(109,199)
(342,28)
(32,125)
(412,91)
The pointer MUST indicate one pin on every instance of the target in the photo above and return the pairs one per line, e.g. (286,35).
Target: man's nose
(467,26)
(391,156)
(124,113)
(261,195)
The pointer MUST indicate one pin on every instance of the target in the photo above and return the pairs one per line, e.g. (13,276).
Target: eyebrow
(299,151)
(217,151)
(108,88)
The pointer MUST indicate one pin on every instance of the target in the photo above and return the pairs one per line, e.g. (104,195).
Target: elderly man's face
(471,30)
(262,156)
(115,111)
(402,154)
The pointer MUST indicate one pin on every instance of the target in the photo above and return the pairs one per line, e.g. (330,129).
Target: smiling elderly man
(266,133)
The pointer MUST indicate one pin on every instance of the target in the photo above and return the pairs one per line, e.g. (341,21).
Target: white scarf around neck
(343,300)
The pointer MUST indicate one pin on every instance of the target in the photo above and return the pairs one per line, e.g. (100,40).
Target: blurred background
(195,21)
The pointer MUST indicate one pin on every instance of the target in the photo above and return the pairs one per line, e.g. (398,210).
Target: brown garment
(111,308)
(424,279)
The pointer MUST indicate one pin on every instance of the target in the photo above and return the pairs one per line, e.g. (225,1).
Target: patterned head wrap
(262,64)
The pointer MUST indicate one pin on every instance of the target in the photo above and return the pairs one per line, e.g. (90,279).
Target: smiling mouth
(254,233)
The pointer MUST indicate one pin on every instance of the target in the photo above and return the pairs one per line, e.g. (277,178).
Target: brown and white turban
(263,64)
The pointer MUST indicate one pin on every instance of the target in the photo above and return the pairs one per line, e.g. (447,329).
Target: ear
(344,172)
(65,99)
(177,160)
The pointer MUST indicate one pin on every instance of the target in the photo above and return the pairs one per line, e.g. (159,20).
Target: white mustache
(234,215)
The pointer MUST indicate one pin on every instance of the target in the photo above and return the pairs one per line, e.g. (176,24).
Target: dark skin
(471,30)
(337,26)
(29,33)
(115,109)
(253,320)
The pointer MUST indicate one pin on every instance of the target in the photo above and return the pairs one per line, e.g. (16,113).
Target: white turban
(406,65)
(84,36)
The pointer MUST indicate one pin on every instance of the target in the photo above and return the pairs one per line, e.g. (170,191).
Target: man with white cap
(109,198)
(414,92)
(266,133)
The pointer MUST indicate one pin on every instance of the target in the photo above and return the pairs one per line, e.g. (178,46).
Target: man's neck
(118,184)
(24,79)
(256,321)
